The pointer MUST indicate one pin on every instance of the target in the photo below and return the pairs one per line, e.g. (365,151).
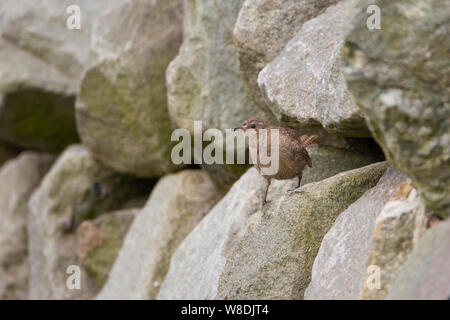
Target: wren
(293,156)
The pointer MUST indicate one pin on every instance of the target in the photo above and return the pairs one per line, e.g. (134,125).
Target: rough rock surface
(100,240)
(306,84)
(41,61)
(121,110)
(398,229)
(76,188)
(197,263)
(262,30)
(204,81)
(36,106)
(176,205)
(231,255)
(399,77)
(6,153)
(340,266)
(426,272)
(18,179)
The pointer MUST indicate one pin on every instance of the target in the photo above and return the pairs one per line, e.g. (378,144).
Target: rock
(340,266)
(6,153)
(306,84)
(40,70)
(425,275)
(204,81)
(262,30)
(100,240)
(19,177)
(327,161)
(176,205)
(35,113)
(398,228)
(197,263)
(399,77)
(121,109)
(75,189)
(268,255)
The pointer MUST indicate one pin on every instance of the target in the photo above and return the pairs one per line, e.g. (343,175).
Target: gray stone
(121,109)
(399,77)
(340,266)
(204,81)
(41,63)
(268,255)
(197,264)
(176,205)
(426,272)
(100,240)
(398,228)
(18,177)
(306,84)
(75,189)
(262,30)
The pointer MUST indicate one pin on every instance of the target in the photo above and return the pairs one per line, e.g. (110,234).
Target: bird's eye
(253,126)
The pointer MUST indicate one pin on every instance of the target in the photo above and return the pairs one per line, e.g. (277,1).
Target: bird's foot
(266,202)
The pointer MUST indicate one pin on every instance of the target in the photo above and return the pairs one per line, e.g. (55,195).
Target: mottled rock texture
(426,272)
(177,204)
(270,254)
(274,256)
(121,110)
(204,81)
(399,77)
(75,189)
(18,178)
(340,266)
(197,263)
(262,30)
(41,63)
(398,229)
(100,240)
(305,83)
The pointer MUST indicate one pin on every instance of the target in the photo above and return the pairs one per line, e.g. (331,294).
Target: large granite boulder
(340,266)
(176,205)
(18,177)
(426,272)
(398,229)
(41,63)
(203,81)
(399,77)
(269,254)
(121,109)
(197,263)
(99,241)
(305,83)
(75,189)
(262,30)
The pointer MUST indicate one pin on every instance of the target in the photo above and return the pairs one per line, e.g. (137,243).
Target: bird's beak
(237,128)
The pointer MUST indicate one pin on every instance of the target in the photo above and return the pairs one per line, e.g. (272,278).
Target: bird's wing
(299,147)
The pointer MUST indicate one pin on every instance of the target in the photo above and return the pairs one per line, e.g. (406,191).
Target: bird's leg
(265,194)
(298,184)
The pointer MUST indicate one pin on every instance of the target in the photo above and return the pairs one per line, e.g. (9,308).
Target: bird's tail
(307,140)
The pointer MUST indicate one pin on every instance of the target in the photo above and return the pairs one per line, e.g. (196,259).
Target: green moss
(35,119)
(99,260)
